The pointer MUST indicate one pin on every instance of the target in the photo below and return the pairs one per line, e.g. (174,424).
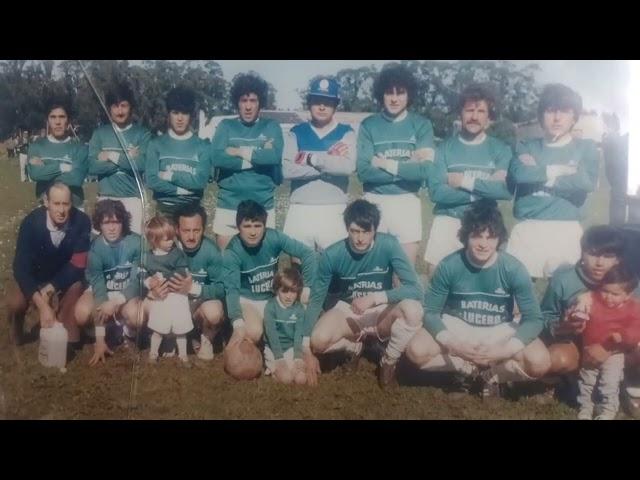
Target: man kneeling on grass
(468,323)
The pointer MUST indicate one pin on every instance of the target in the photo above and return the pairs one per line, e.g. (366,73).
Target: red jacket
(604,320)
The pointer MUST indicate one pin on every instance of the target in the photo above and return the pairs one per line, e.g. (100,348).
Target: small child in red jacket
(614,324)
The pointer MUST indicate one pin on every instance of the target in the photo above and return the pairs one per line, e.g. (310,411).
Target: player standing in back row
(395,152)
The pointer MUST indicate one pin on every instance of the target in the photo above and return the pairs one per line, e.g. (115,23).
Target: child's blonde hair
(290,279)
(159,228)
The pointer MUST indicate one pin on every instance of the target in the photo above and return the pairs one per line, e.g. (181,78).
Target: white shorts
(401,215)
(369,318)
(258,305)
(317,226)
(544,245)
(224,222)
(478,335)
(443,238)
(270,359)
(171,315)
(133,205)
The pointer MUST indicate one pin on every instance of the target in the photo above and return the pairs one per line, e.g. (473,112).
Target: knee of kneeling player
(411,312)
(254,332)
(418,352)
(213,316)
(15,302)
(81,314)
(538,363)
(320,341)
(133,314)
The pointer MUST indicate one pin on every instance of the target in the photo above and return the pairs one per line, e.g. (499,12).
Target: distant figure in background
(614,150)
(23,142)
(10,144)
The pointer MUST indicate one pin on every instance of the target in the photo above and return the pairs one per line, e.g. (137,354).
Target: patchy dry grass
(128,388)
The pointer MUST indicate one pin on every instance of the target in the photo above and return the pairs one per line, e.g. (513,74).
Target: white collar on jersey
(122,129)
(489,263)
(476,141)
(326,130)
(399,118)
(175,136)
(561,142)
(53,139)
(159,252)
(357,252)
(281,304)
(111,244)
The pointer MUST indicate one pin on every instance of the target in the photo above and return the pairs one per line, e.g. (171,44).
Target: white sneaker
(206,349)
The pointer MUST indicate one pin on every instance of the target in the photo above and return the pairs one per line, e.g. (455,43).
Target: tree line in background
(440,83)
(26,85)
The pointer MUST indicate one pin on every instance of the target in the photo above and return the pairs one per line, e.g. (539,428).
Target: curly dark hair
(191,211)
(252,211)
(557,96)
(480,216)
(477,92)
(59,101)
(363,213)
(120,92)
(603,240)
(398,76)
(246,83)
(111,208)
(181,99)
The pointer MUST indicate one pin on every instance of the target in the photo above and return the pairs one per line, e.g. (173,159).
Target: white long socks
(401,335)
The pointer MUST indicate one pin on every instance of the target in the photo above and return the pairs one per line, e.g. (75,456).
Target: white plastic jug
(53,346)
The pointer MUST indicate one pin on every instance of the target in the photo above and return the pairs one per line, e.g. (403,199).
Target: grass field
(127,388)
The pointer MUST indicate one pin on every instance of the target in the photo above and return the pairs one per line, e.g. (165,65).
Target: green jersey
(249,271)
(543,195)
(175,261)
(482,297)
(65,161)
(115,175)
(177,170)
(205,265)
(113,267)
(345,274)
(478,162)
(395,140)
(283,328)
(256,176)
